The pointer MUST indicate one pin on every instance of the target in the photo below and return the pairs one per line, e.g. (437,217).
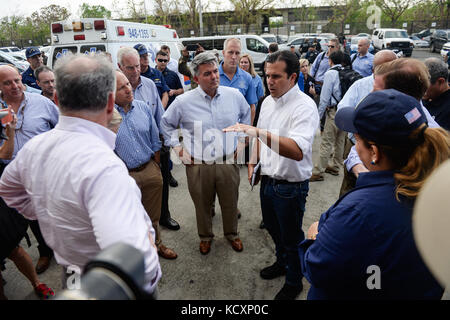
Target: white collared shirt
(294,115)
(71,180)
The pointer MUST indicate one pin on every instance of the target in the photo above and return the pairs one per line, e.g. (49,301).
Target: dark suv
(438,39)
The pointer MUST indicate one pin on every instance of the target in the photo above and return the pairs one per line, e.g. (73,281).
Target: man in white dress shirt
(71,180)
(286,128)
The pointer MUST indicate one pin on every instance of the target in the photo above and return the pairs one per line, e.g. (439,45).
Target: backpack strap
(354,58)
(318,65)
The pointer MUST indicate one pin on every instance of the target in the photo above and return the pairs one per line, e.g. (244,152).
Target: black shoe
(172,182)
(170,224)
(261,225)
(273,271)
(289,292)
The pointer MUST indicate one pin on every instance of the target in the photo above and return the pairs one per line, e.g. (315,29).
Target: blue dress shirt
(331,90)
(367,227)
(146,91)
(202,119)
(257,82)
(242,81)
(322,66)
(36,115)
(363,64)
(157,77)
(138,136)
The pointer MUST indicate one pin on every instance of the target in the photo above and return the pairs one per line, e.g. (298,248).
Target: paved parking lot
(223,273)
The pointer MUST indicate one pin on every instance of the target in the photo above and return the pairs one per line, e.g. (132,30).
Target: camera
(116,273)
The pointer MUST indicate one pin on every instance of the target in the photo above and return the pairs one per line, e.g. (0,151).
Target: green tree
(247,11)
(94,11)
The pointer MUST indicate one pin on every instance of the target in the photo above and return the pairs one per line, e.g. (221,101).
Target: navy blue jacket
(157,77)
(29,79)
(366,227)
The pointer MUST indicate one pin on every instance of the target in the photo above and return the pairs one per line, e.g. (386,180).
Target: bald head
(10,83)
(383,56)
(363,46)
(7,68)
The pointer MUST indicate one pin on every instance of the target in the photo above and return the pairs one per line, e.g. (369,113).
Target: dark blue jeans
(283,206)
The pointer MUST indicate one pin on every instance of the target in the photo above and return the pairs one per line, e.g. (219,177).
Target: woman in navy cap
(363,246)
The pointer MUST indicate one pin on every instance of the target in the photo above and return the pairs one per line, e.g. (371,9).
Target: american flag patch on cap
(412,116)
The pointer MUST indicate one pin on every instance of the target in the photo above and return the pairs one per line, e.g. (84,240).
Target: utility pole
(145,12)
(200,17)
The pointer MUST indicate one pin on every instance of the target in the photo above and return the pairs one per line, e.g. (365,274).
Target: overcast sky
(27,7)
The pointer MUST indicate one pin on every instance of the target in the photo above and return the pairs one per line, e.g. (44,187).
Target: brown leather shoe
(166,253)
(205,247)
(42,264)
(236,244)
(316,177)
(333,171)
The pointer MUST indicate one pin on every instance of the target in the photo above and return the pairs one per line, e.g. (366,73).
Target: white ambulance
(91,35)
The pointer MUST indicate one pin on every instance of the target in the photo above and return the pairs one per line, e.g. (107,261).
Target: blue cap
(32,51)
(387,117)
(141,48)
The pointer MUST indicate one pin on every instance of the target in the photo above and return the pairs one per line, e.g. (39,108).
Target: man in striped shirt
(138,145)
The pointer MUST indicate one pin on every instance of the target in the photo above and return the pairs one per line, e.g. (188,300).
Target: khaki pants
(204,181)
(332,138)
(149,180)
(349,181)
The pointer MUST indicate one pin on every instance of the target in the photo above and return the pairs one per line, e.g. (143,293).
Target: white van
(95,34)
(253,45)
(394,39)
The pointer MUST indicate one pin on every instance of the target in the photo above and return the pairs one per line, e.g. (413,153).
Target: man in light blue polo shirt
(362,61)
(233,76)
(321,65)
(35,115)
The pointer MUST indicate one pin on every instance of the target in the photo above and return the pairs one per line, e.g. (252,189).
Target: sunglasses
(330,46)
(163,60)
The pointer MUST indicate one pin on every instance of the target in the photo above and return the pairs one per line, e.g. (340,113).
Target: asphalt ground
(222,274)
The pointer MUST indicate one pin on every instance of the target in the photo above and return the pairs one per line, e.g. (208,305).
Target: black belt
(276,181)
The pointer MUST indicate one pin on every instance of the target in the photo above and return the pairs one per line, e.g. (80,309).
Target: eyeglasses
(330,46)
(163,60)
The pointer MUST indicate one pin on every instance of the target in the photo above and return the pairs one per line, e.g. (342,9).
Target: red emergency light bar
(79,37)
(120,31)
(99,24)
(167,26)
(57,27)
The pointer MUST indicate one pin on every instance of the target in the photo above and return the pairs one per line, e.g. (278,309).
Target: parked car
(354,45)
(445,49)
(393,39)
(298,42)
(438,39)
(269,37)
(6,58)
(282,39)
(9,49)
(419,43)
(423,34)
(363,35)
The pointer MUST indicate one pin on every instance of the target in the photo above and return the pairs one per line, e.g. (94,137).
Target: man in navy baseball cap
(387,117)
(141,48)
(34,58)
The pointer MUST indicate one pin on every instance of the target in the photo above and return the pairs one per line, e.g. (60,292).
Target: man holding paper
(286,128)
